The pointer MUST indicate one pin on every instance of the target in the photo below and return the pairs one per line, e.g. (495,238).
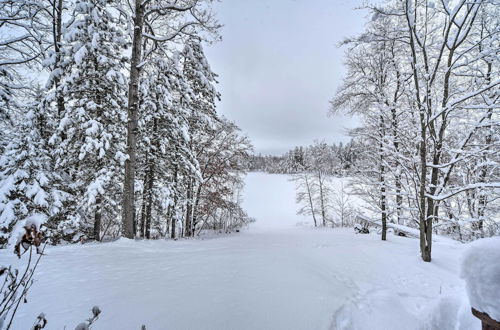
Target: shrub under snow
(481,271)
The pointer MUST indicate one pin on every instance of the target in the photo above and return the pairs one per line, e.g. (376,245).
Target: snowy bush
(86,325)
(27,192)
(15,284)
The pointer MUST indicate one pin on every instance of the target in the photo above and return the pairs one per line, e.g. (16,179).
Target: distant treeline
(338,159)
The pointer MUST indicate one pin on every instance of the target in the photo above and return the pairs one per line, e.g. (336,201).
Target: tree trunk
(422,145)
(397,176)
(432,209)
(425,238)
(142,229)
(149,204)
(383,206)
(189,209)
(128,205)
(311,204)
(172,228)
(97,219)
(169,219)
(481,207)
(195,207)
(150,182)
(57,31)
(174,206)
(321,199)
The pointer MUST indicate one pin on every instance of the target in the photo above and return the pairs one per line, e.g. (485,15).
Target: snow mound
(481,271)
(384,309)
(379,309)
(450,313)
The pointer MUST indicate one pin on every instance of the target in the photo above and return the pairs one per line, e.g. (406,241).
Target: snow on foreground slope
(275,275)
(483,287)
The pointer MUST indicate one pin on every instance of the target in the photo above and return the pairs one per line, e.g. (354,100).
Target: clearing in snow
(280,273)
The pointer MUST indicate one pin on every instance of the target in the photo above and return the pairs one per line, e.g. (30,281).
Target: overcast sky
(279,65)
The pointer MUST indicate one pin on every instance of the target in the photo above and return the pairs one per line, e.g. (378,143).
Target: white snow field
(274,275)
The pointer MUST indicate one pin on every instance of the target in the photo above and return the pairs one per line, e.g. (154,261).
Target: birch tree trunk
(311,204)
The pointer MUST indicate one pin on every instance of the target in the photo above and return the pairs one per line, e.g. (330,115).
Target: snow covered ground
(278,274)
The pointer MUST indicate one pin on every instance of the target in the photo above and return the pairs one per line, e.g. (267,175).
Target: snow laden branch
(175,34)
(473,186)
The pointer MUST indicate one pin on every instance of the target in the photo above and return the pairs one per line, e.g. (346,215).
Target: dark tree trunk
(174,206)
(195,207)
(481,207)
(425,239)
(150,180)
(432,209)
(383,203)
(57,30)
(142,229)
(189,210)
(149,204)
(97,219)
(172,228)
(128,205)
(169,220)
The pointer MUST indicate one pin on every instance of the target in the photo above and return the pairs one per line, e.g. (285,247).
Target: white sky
(279,65)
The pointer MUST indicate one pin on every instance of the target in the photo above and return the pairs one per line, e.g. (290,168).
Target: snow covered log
(481,271)
(399,230)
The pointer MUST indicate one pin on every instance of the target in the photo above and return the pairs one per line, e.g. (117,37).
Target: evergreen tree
(202,116)
(28,194)
(165,154)
(90,136)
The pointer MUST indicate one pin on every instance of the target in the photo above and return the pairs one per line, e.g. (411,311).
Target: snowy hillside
(278,274)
